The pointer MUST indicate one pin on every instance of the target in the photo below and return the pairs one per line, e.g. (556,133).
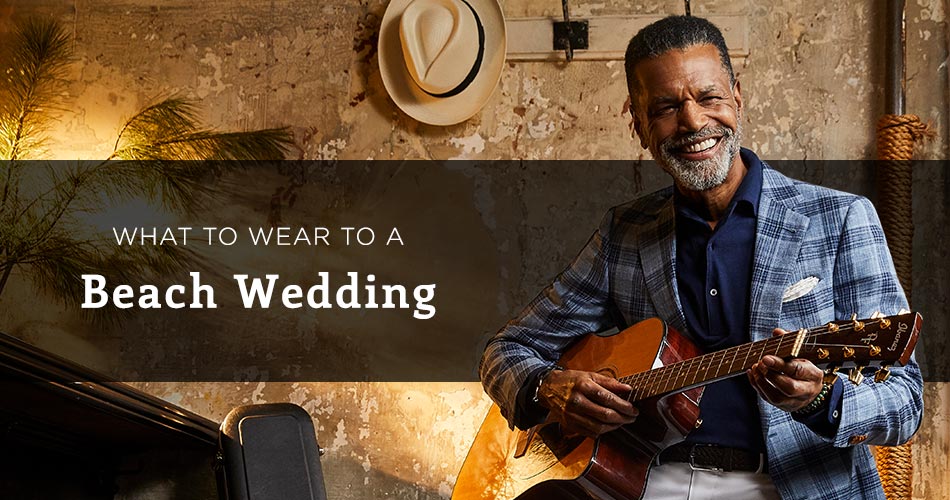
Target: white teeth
(700,146)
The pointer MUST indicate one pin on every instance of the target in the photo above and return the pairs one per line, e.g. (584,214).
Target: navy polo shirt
(714,277)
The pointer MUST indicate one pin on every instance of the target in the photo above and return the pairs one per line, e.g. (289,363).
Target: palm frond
(58,265)
(34,83)
(163,154)
(170,130)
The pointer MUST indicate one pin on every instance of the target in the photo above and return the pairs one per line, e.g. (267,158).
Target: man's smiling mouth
(700,146)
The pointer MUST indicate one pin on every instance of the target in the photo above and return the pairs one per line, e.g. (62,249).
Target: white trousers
(677,481)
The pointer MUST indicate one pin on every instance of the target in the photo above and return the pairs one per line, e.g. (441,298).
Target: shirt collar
(750,190)
(748,193)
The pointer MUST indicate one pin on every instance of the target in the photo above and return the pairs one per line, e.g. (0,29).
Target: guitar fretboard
(708,367)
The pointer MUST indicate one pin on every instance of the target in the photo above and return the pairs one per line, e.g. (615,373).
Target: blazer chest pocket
(808,301)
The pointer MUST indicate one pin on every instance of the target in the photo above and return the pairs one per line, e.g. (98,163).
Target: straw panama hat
(440,60)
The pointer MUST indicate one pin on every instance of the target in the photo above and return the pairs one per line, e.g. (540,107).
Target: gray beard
(706,174)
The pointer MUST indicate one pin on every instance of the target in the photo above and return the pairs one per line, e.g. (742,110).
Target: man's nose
(692,117)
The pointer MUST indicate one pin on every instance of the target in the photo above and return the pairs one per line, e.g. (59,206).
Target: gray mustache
(706,133)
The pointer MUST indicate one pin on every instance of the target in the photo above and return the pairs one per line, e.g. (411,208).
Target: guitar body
(542,464)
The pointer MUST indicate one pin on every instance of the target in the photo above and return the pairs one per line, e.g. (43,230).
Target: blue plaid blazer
(626,273)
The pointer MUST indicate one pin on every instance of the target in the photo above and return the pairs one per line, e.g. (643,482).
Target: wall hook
(570,35)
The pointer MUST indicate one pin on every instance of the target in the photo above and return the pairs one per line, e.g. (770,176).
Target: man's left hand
(789,385)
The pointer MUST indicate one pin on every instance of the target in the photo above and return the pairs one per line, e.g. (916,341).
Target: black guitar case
(269,452)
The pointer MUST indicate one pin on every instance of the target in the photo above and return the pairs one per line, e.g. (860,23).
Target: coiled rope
(897,136)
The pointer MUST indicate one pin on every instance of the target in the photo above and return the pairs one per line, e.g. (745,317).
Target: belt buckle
(692,460)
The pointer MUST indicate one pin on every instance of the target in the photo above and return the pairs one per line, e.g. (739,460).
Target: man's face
(688,115)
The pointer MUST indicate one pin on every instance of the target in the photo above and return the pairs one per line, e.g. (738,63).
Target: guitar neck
(710,367)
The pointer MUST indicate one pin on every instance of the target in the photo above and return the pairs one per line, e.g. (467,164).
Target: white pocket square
(800,288)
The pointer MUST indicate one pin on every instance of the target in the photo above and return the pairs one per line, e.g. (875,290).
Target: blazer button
(860,438)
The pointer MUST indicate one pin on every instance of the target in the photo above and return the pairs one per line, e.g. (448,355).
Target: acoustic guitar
(667,373)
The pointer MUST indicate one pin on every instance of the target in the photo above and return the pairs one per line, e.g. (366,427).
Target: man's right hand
(586,403)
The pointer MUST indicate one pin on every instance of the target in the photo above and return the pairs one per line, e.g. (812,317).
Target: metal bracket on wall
(569,35)
(529,38)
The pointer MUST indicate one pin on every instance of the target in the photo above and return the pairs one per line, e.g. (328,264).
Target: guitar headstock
(877,341)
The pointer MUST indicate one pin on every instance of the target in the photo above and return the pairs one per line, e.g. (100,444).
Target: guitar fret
(683,371)
(732,364)
(677,373)
(718,358)
(648,383)
(719,368)
(695,365)
(690,377)
(687,372)
(639,388)
(663,379)
(668,383)
(663,385)
(659,379)
(656,379)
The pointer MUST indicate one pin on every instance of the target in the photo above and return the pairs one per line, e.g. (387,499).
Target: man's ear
(638,127)
(737,93)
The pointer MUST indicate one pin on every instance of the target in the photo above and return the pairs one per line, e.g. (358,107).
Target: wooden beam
(531,38)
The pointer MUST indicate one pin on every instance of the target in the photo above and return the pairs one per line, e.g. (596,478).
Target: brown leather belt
(712,457)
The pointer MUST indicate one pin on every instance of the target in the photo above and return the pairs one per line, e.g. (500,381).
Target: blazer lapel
(779,234)
(657,257)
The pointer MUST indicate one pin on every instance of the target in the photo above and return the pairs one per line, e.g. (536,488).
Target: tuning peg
(831,374)
(884,322)
(874,350)
(858,326)
(855,375)
(882,374)
(832,327)
(847,352)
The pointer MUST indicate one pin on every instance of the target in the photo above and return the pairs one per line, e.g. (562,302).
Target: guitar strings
(684,368)
(670,374)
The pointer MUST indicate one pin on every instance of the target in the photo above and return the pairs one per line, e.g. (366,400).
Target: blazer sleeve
(886,413)
(575,304)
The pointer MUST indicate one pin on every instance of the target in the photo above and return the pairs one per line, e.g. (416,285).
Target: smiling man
(716,256)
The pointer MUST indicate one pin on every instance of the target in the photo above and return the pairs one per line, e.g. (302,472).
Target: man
(713,257)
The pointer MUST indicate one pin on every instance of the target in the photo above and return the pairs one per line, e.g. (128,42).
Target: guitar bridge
(524,440)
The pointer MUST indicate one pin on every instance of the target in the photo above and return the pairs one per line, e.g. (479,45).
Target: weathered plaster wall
(812,86)
(812,81)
